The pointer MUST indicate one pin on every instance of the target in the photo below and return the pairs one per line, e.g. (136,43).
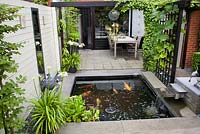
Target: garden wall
(27,60)
(192,38)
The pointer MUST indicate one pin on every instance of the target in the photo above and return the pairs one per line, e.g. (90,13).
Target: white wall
(137,23)
(181,41)
(27,60)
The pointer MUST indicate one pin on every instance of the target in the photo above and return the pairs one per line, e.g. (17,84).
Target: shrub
(48,113)
(195,60)
(75,110)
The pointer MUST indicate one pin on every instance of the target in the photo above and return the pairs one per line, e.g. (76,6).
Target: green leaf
(163,55)
(183,30)
(163,37)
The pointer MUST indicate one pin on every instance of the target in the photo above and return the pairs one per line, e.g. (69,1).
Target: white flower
(81,45)
(63,74)
(73,43)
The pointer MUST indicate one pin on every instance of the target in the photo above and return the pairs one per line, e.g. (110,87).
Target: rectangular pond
(120,97)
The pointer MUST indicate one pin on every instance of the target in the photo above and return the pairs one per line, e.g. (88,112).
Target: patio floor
(104,60)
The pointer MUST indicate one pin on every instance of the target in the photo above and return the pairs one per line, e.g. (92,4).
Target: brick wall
(192,38)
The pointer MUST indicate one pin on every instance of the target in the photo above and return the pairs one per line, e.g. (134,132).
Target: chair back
(111,43)
(139,38)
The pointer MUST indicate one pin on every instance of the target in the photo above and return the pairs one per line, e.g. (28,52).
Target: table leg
(115,50)
(135,50)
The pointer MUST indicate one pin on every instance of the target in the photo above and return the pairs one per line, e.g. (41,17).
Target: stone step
(179,91)
(159,88)
(178,88)
(188,86)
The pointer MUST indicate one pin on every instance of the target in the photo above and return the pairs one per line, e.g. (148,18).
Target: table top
(124,39)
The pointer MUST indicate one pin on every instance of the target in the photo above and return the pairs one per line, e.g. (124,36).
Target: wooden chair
(131,47)
(111,45)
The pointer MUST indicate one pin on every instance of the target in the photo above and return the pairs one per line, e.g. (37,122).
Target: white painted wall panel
(137,23)
(27,60)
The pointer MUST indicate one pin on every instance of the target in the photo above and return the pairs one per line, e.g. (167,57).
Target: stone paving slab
(111,127)
(175,131)
(104,60)
(147,126)
(155,82)
(160,124)
(157,85)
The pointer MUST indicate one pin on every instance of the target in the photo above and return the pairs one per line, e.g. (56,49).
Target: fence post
(180,17)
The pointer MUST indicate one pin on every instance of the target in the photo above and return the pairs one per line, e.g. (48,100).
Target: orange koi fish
(98,101)
(115,91)
(90,106)
(127,87)
(87,86)
(86,93)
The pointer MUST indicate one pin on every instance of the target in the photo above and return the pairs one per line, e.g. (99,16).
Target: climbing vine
(156,44)
(195,4)
(42,2)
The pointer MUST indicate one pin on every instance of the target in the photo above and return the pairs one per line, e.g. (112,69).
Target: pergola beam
(84,4)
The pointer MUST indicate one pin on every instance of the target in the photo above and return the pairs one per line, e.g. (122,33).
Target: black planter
(72,70)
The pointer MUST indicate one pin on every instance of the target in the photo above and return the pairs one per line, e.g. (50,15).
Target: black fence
(167,73)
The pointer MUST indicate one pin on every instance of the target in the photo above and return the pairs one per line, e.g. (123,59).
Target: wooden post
(49,3)
(61,36)
(188,16)
(131,22)
(61,30)
(92,10)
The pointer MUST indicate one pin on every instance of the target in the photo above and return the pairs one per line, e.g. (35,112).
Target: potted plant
(73,62)
(71,59)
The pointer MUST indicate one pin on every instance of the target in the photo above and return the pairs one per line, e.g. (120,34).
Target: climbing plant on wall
(42,2)
(71,16)
(155,45)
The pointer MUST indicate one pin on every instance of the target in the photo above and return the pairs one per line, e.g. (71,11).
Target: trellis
(167,74)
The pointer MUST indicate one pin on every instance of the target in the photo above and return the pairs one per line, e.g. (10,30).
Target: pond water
(120,98)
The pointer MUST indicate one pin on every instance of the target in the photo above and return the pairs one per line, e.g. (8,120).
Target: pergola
(82,4)
(183,5)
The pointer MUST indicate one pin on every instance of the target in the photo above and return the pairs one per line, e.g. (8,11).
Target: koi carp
(115,91)
(98,101)
(86,93)
(127,87)
(87,86)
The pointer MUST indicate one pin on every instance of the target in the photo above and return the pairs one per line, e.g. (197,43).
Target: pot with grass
(73,62)
(70,58)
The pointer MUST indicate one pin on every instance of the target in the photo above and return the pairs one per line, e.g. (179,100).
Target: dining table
(124,40)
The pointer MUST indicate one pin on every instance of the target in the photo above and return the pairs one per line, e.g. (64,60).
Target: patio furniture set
(130,43)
